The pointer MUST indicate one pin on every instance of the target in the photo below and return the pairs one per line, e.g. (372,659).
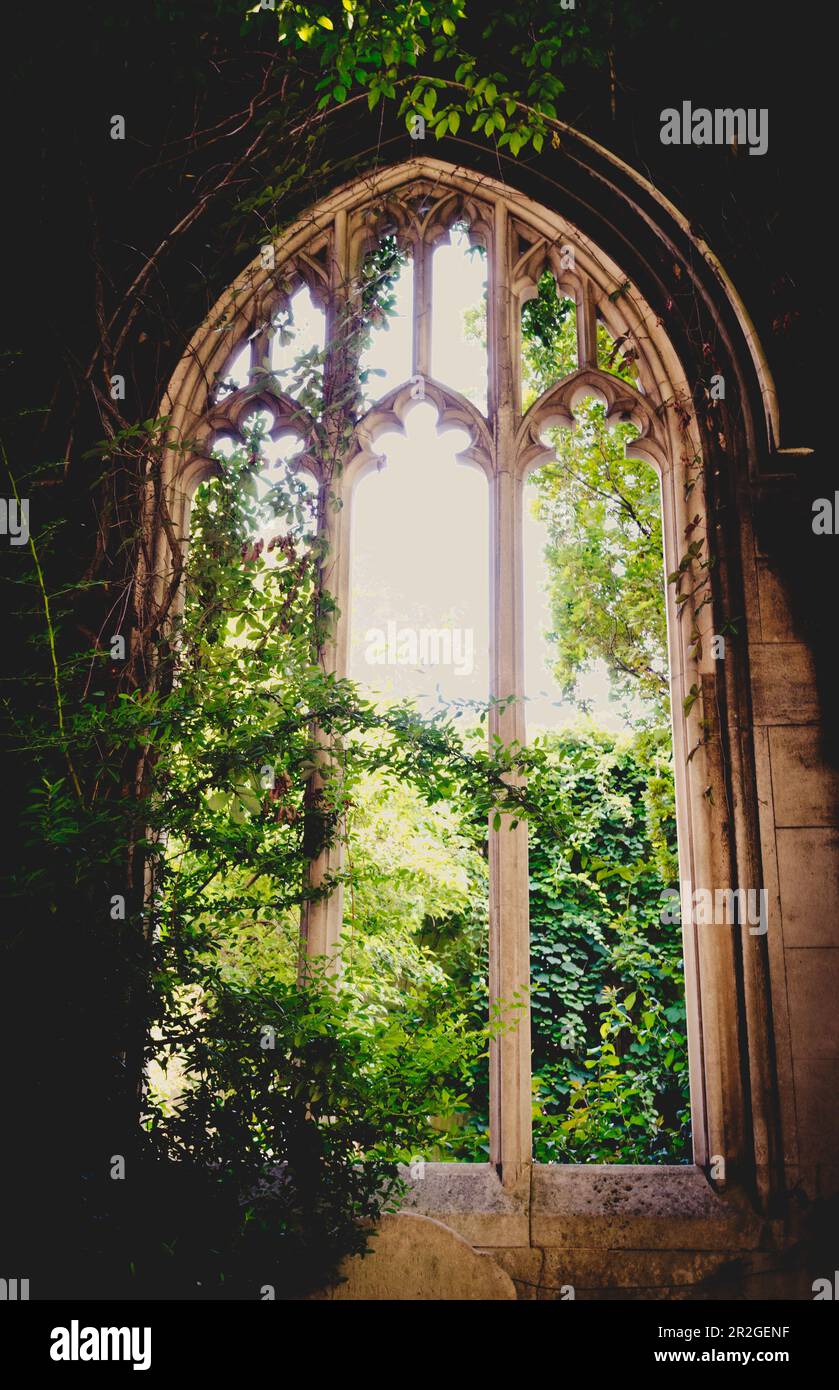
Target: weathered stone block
(805,790)
(416,1259)
(808,872)
(816,1089)
(470,1198)
(813,987)
(783,684)
(776,620)
(629,1206)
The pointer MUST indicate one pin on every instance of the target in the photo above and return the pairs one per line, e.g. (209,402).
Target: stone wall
(595,1232)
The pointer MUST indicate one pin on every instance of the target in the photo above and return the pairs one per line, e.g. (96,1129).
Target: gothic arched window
(310,281)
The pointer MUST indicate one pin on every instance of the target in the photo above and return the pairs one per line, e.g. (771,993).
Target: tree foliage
(431,57)
(603,514)
(610,1046)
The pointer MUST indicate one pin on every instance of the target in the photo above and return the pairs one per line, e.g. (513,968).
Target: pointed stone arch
(420,198)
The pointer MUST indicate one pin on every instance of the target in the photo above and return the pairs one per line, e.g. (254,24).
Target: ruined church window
(492,370)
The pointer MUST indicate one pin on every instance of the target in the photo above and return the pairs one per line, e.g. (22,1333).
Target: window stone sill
(605,1206)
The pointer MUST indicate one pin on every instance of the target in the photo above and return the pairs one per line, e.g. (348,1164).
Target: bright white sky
(420,526)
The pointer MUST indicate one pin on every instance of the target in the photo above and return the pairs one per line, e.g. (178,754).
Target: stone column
(321,917)
(509,946)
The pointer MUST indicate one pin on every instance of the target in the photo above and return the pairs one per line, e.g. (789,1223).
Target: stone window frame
(324,250)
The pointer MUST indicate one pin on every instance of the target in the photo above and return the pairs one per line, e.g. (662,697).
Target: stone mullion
(586,327)
(509,950)
(423,273)
(260,351)
(321,917)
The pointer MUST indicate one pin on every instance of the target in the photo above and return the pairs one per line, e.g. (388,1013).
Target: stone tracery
(418,204)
